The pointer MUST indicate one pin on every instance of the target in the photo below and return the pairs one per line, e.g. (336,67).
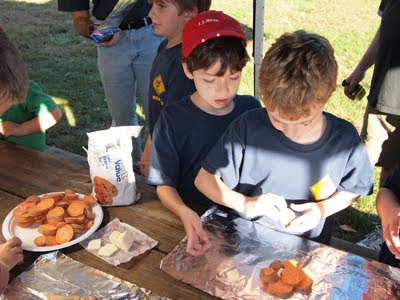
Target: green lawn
(64,64)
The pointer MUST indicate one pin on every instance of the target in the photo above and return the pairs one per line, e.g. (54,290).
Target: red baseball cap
(207,25)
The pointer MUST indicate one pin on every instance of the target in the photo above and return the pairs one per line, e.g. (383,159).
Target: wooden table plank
(27,178)
(25,172)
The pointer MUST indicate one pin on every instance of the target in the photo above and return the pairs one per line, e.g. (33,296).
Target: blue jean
(124,66)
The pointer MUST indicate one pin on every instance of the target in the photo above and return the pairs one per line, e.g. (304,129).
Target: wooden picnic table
(25,172)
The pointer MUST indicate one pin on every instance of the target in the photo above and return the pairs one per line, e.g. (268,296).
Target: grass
(64,64)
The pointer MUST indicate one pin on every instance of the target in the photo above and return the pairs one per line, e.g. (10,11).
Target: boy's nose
(151,12)
(223,88)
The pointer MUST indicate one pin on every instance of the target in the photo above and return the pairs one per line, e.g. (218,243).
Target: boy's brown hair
(230,51)
(13,73)
(189,5)
(298,72)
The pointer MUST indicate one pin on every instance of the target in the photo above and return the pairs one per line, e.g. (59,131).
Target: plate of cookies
(53,221)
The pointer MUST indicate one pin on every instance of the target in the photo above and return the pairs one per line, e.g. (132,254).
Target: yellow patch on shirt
(324,188)
(156,98)
(158,85)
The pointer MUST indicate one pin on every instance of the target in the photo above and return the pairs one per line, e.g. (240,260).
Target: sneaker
(373,240)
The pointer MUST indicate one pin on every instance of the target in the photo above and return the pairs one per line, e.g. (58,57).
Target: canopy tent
(258,34)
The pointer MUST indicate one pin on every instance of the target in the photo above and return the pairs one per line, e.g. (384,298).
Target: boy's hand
(8,128)
(144,165)
(390,229)
(197,238)
(269,205)
(312,215)
(144,162)
(11,253)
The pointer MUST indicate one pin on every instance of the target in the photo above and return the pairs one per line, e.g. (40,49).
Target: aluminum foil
(240,248)
(55,276)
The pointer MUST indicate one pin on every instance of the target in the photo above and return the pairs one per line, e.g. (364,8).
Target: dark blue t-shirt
(102,8)
(182,138)
(254,158)
(168,82)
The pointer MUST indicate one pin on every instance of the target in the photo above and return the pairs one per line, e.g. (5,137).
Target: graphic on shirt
(158,85)
(159,88)
(324,188)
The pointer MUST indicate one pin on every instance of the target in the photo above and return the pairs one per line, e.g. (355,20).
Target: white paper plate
(27,235)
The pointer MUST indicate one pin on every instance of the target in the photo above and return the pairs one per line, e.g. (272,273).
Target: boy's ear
(187,72)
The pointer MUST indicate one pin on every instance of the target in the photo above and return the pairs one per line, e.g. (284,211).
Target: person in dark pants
(381,126)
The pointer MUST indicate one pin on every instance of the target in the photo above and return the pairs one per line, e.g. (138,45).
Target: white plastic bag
(110,162)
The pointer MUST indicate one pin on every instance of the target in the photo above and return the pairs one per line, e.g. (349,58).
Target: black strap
(136,25)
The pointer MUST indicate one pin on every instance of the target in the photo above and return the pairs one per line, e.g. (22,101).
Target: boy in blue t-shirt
(214,54)
(26,112)
(168,82)
(291,153)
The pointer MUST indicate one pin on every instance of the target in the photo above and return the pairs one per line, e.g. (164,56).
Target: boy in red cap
(214,54)
(168,82)
(292,152)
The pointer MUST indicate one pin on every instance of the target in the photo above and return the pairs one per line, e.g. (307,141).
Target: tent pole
(258,38)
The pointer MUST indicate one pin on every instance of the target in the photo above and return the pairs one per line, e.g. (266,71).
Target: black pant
(386,257)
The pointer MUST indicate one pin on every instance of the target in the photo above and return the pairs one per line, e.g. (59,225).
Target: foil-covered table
(55,276)
(240,248)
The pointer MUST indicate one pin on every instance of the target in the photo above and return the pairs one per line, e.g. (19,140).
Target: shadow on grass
(363,223)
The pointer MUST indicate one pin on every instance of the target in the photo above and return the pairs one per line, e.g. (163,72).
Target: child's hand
(390,229)
(144,165)
(312,215)
(11,253)
(197,238)
(269,205)
(8,128)
(144,162)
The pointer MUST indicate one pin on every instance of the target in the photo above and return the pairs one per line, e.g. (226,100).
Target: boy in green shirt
(25,110)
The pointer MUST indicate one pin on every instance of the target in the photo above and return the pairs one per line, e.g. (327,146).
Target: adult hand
(352,80)
(11,253)
(115,39)
(311,216)
(197,238)
(269,205)
(8,128)
(82,22)
(390,229)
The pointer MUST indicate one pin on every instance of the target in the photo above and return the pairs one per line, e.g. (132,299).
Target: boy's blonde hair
(13,73)
(190,5)
(298,72)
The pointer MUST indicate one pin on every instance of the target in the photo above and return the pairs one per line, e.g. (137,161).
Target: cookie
(105,191)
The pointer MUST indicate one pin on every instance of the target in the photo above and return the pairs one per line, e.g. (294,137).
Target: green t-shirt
(37,103)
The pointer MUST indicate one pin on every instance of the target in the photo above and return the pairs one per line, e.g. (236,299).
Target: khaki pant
(381,137)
